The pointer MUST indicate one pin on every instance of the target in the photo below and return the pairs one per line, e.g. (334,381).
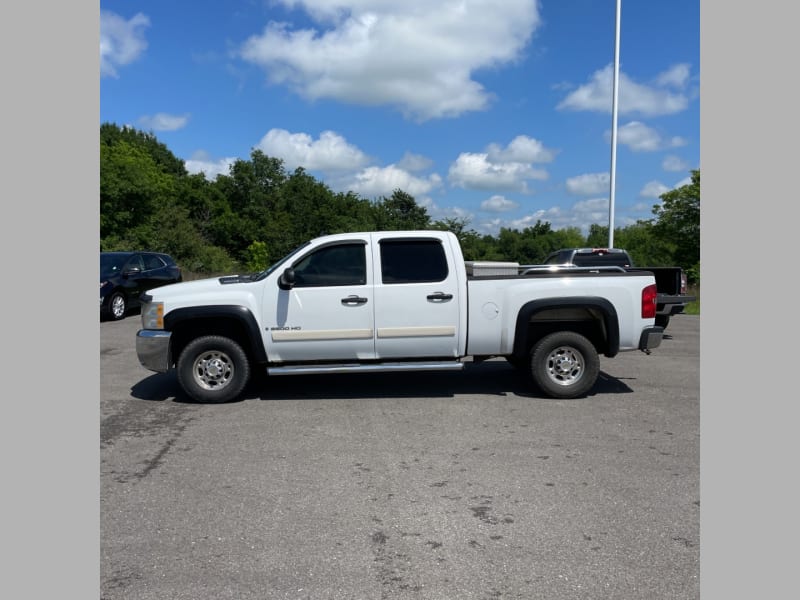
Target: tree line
(258,212)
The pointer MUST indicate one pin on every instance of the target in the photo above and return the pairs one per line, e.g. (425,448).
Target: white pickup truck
(393,301)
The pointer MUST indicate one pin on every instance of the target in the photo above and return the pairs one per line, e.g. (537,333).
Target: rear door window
(413,261)
(151,262)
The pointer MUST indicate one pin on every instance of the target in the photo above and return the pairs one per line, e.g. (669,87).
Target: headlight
(153,315)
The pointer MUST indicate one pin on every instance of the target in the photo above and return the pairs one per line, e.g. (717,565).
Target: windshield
(263,274)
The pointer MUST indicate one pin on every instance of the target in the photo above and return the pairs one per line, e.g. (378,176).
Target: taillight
(684,283)
(649,302)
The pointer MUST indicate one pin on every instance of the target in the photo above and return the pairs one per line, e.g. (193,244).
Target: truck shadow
(491,378)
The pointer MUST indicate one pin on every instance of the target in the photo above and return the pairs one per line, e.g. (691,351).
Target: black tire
(662,320)
(564,364)
(213,369)
(117,306)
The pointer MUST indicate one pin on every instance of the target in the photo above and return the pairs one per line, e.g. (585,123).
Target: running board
(366,368)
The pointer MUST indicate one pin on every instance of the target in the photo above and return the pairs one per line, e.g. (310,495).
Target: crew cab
(393,301)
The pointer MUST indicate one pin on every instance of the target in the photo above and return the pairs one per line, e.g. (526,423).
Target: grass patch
(693,308)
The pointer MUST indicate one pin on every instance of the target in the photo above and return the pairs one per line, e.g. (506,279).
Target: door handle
(354,300)
(440,297)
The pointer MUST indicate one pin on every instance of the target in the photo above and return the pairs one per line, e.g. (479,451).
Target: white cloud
(498,204)
(653,189)
(121,42)
(641,138)
(581,215)
(682,182)
(522,149)
(346,165)
(503,168)
(552,215)
(596,95)
(438,213)
(201,162)
(640,207)
(414,162)
(475,171)
(594,210)
(676,76)
(164,122)
(588,184)
(674,164)
(330,152)
(418,56)
(382,181)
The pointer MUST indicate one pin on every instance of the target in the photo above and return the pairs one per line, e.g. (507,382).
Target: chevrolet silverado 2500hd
(393,301)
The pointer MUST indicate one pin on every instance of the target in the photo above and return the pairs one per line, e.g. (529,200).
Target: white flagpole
(614,132)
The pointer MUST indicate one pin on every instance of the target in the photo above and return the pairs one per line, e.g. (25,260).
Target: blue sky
(497,112)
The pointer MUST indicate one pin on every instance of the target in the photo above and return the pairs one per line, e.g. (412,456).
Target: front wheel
(564,364)
(213,369)
(117,306)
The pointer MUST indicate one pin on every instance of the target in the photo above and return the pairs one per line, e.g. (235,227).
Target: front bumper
(651,338)
(153,349)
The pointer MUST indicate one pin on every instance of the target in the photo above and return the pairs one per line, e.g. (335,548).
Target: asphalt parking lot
(439,485)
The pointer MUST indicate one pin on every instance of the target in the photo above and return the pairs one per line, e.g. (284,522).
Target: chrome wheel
(117,306)
(565,365)
(213,370)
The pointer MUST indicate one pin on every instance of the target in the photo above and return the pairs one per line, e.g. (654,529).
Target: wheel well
(228,327)
(114,292)
(595,321)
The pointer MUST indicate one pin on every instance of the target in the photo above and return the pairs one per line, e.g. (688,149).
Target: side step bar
(366,368)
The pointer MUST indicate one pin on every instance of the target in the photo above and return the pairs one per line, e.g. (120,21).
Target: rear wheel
(213,369)
(564,364)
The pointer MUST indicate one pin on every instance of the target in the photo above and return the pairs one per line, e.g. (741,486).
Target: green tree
(678,220)
(400,212)
(598,236)
(132,185)
(112,134)
(257,257)
(473,245)
(569,237)
(252,209)
(533,244)
(645,248)
(147,199)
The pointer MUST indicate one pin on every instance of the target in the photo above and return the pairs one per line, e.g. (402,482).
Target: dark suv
(124,276)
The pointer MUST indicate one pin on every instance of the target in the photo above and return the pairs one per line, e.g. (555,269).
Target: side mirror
(287,280)
(131,271)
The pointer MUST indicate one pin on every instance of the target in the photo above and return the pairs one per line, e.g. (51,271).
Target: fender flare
(240,314)
(529,309)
